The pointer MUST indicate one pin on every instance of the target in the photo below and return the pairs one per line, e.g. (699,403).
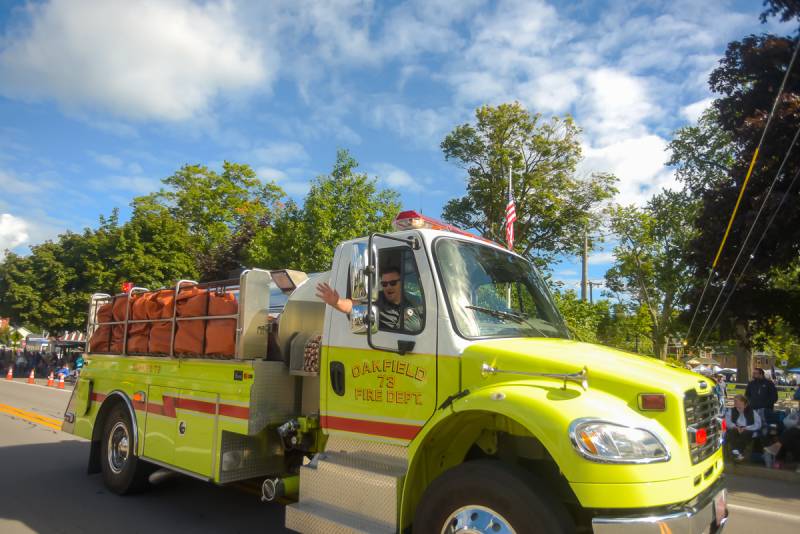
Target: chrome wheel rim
(118,448)
(475,519)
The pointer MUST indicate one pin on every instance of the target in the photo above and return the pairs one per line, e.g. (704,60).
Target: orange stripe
(375,428)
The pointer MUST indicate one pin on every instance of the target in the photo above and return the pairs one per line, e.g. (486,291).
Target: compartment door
(195,431)
(159,440)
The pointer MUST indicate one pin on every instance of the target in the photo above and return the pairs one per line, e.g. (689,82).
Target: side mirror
(359,273)
(361,320)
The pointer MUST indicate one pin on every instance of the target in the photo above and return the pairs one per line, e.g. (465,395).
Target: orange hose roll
(189,336)
(221,333)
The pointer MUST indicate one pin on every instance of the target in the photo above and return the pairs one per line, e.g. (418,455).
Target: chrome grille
(702,412)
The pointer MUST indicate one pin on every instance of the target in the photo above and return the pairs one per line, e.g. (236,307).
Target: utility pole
(585,262)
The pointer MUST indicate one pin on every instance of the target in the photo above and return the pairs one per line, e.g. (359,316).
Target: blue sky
(100,100)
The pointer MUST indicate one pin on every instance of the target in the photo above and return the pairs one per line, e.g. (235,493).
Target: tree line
(204,224)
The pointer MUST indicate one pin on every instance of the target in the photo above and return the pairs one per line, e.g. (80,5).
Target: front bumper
(706,514)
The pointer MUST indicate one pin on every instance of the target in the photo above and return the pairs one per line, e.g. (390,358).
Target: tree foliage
(553,206)
(747,80)
(340,206)
(203,225)
(649,266)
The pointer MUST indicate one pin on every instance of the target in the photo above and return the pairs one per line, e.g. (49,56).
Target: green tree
(746,81)
(702,155)
(553,206)
(648,259)
(219,210)
(340,206)
(585,320)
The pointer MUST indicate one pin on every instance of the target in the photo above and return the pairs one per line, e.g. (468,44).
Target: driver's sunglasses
(389,283)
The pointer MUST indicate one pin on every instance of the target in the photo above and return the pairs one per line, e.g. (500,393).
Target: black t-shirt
(405,316)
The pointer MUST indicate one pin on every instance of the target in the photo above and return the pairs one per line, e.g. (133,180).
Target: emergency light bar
(412,220)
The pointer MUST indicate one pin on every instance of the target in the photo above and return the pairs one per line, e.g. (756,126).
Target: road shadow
(774,489)
(45,487)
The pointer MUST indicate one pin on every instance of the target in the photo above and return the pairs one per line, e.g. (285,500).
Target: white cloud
(693,111)
(601,257)
(140,59)
(268,174)
(616,106)
(638,162)
(13,232)
(398,179)
(137,185)
(107,160)
(277,153)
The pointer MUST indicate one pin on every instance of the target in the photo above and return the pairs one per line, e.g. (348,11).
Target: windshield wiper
(498,313)
(518,318)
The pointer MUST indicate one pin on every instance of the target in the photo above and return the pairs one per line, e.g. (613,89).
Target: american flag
(511,215)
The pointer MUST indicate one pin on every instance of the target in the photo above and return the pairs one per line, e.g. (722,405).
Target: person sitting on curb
(788,441)
(742,421)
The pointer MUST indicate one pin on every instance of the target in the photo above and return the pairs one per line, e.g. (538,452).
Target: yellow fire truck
(450,398)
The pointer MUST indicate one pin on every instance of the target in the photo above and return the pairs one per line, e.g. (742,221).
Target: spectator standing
(742,422)
(761,393)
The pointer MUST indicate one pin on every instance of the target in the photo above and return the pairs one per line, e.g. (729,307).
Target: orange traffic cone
(60,381)
(30,378)
(10,373)
(51,381)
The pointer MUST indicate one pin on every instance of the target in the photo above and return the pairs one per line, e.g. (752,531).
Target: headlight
(603,441)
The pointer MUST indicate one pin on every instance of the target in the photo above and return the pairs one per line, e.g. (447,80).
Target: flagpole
(508,245)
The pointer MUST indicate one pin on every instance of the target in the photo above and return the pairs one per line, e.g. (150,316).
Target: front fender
(546,411)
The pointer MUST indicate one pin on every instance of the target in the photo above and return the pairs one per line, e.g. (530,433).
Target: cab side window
(401,301)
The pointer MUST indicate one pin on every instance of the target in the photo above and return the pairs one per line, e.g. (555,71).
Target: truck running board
(348,492)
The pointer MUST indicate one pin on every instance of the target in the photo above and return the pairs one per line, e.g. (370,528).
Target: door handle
(337,378)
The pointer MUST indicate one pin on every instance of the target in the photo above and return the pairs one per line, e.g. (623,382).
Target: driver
(396,309)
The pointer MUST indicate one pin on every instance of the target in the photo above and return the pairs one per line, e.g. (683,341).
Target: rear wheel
(486,496)
(123,471)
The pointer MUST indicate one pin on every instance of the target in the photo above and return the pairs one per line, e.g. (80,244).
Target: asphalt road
(44,488)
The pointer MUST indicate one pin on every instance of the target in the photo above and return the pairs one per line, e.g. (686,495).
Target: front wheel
(486,496)
(123,471)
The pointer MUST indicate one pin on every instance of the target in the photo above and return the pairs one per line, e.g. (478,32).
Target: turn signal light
(652,401)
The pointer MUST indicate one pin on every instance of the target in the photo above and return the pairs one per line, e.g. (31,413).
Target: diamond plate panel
(374,494)
(315,518)
(362,448)
(243,457)
(272,398)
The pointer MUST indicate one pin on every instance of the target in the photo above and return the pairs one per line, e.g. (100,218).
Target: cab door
(377,393)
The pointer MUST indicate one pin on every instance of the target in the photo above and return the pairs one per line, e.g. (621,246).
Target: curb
(757,471)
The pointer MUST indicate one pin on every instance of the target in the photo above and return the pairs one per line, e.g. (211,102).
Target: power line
(753,254)
(744,186)
(750,231)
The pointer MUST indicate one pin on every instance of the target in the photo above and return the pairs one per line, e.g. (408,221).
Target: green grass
(784,392)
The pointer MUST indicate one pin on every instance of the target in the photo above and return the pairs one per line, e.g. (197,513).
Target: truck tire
(487,496)
(123,471)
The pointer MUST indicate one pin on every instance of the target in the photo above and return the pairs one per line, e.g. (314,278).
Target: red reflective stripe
(171,403)
(193,405)
(229,410)
(376,428)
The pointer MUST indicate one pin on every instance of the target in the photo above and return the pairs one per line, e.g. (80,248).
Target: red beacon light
(127,286)
(413,220)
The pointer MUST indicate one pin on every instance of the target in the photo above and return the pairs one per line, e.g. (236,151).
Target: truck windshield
(495,294)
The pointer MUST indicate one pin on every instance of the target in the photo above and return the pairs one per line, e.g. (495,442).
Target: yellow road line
(43,420)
